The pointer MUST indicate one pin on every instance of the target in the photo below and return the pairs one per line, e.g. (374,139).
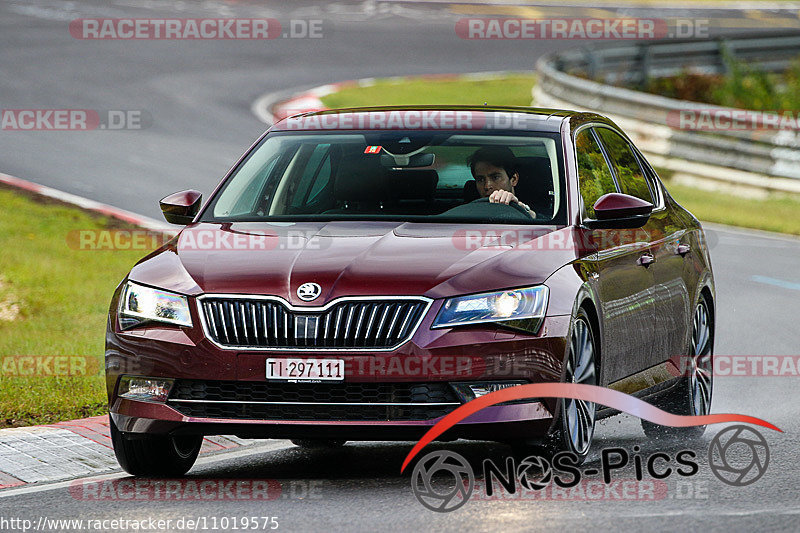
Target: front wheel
(155,455)
(692,394)
(576,419)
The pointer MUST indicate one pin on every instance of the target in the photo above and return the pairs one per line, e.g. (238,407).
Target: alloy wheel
(701,372)
(580,415)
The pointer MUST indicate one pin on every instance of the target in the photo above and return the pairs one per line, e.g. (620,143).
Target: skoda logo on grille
(308,291)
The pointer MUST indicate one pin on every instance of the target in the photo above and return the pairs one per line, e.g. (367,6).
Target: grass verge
(510,90)
(777,212)
(53,302)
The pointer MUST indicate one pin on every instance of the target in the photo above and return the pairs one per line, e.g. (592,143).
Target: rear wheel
(692,394)
(575,426)
(155,455)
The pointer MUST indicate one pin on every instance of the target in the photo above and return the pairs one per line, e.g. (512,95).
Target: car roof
(470,117)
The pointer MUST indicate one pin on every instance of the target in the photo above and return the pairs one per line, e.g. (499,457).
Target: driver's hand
(502,197)
(506,197)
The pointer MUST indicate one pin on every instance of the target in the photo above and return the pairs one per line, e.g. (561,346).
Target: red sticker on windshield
(372,150)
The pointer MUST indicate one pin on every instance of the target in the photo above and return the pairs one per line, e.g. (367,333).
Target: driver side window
(594,175)
(629,173)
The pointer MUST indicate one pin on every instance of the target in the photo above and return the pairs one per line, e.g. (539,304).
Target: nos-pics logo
(443,480)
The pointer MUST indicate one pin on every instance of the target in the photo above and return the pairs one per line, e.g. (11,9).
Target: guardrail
(753,158)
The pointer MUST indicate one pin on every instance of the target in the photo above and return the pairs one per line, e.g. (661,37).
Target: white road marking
(784,284)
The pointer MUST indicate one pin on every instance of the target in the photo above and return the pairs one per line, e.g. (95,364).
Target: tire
(318,444)
(155,455)
(692,394)
(574,428)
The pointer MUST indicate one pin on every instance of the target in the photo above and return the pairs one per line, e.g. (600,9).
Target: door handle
(646,260)
(683,249)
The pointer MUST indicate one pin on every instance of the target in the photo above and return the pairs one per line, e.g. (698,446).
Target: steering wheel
(514,205)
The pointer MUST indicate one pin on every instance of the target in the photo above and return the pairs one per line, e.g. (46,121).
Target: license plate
(306,369)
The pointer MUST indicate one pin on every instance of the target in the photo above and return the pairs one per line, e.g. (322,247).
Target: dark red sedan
(361,273)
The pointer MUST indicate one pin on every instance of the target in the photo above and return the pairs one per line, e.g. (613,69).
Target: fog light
(147,389)
(469,391)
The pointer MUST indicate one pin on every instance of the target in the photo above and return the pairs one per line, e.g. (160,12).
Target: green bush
(688,85)
(744,86)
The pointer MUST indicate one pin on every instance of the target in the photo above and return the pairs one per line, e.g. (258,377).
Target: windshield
(414,176)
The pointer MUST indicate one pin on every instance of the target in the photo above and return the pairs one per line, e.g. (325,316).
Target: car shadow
(373,460)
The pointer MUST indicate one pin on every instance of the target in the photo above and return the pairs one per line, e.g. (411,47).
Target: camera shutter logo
(458,488)
(534,473)
(309,291)
(738,455)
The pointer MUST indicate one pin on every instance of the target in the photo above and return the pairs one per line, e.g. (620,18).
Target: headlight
(517,308)
(140,304)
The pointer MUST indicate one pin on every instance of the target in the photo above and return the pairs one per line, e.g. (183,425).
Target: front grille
(342,392)
(353,324)
(313,401)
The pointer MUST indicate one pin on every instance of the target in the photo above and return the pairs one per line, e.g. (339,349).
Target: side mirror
(181,207)
(623,211)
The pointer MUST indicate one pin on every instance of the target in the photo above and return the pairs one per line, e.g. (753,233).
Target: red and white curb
(85,203)
(273,107)
(72,449)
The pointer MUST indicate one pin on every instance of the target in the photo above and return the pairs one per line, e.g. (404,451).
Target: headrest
(415,184)
(535,177)
(471,191)
(535,186)
(535,168)
(360,178)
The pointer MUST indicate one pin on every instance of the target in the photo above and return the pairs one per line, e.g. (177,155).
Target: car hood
(355,258)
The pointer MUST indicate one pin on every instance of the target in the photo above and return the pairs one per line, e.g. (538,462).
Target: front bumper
(466,354)
(493,423)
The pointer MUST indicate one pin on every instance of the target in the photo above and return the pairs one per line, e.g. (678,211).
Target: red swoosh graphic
(590,393)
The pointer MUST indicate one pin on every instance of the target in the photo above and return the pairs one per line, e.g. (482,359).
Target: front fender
(571,287)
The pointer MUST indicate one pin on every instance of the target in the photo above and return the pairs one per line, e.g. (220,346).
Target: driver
(495,171)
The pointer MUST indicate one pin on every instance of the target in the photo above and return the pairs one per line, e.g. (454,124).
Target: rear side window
(629,173)
(594,175)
